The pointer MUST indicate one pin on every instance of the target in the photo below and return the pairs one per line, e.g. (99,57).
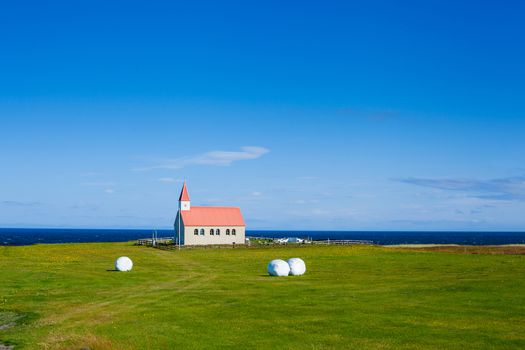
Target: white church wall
(191,239)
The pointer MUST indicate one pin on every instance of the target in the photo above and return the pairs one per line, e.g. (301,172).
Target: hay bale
(278,268)
(123,264)
(297,266)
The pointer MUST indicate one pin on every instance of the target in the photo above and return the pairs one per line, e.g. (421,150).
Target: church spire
(184,199)
(184,193)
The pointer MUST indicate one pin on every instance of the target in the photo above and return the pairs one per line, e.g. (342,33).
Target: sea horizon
(28,235)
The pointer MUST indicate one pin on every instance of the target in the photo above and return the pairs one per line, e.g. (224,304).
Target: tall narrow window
(211,232)
(218,232)
(227,232)
(196,232)
(233,232)
(202,232)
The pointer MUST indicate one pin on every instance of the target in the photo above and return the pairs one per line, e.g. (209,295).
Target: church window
(218,232)
(202,232)
(233,232)
(196,232)
(211,232)
(227,232)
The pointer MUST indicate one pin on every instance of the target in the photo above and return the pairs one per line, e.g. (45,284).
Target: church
(207,225)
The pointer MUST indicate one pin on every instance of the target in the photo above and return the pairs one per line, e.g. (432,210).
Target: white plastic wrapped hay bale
(123,264)
(297,266)
(278,268)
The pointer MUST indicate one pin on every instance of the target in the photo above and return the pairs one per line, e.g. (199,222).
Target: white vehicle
(287,240)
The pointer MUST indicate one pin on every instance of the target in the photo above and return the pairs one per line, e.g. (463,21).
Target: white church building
(196,225)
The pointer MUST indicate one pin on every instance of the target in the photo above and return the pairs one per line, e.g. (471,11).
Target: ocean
(25,236)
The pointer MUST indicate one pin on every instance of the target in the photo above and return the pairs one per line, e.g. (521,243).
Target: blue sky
(308,115)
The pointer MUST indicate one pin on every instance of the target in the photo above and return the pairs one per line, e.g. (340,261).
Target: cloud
(324,213)
(213,158)
(20,204)
(510,188)
(305,201)
(109,191)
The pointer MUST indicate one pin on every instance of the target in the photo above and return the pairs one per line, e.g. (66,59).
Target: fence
(150,242)
(344,242)
(167,243)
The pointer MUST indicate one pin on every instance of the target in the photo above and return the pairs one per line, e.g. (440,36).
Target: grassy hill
(67,296)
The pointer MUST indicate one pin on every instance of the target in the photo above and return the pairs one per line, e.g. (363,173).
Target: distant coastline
(26,236)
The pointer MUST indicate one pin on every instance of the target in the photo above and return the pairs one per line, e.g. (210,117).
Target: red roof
(212,216)
(184,196)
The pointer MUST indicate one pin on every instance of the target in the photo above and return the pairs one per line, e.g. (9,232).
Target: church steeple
(184,199)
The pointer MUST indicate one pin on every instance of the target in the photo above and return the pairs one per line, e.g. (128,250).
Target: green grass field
(67,297)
